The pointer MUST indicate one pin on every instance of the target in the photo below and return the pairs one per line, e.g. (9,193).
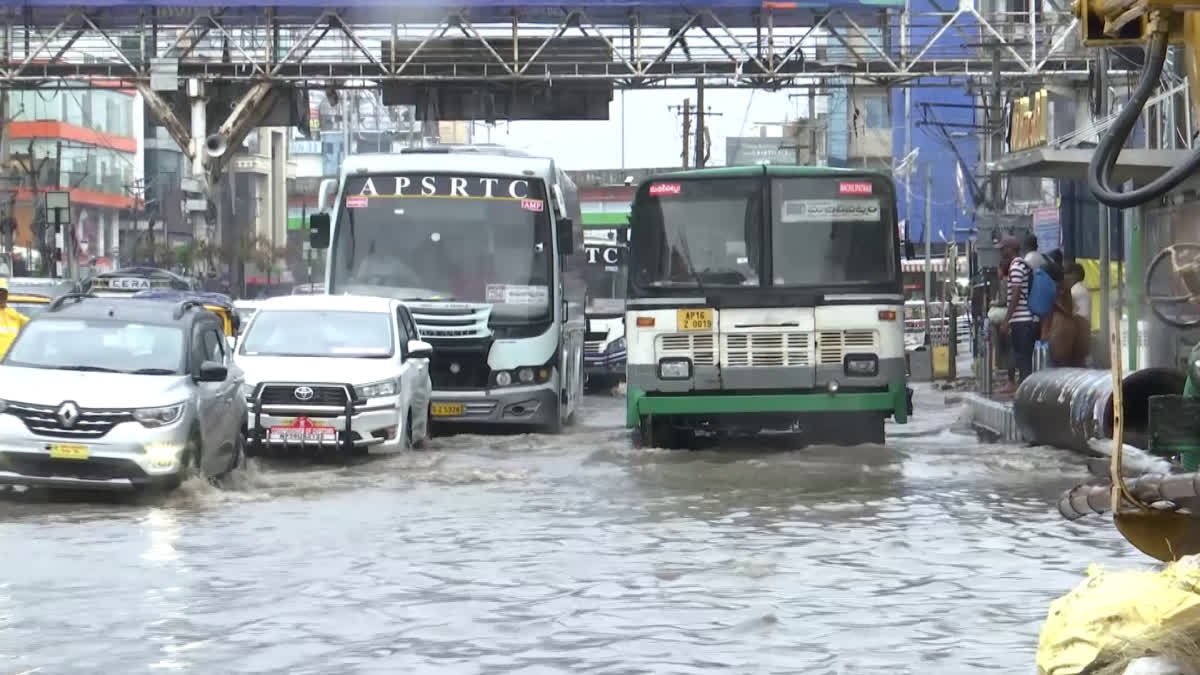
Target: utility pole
(687,130)
(997,128)
(700,144)
(927,232)
(701,151)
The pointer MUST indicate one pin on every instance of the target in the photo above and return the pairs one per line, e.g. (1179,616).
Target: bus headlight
(525,375)
(503,378)
(674,369)
(861,365)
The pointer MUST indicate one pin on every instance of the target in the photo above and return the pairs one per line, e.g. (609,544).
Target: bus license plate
(694,319)
(68,451)
(447,409)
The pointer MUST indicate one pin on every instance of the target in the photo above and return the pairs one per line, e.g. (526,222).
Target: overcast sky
(652,129)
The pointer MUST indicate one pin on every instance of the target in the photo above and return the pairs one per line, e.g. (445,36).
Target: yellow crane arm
(1156,24)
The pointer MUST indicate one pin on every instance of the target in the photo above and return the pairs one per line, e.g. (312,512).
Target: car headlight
(617,345)
(159,417)
(674,369)
(377,389)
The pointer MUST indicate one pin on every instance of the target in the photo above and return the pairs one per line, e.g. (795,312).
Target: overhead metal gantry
(184,53)
(736,43)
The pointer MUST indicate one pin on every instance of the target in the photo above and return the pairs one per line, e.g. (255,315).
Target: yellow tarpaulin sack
(1114,618)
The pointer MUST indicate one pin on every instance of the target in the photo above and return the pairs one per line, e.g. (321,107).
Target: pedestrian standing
(1081,297)
(11,321)
(1018,321)
(1029,251)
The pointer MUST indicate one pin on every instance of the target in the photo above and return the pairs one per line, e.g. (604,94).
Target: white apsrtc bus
(484,244)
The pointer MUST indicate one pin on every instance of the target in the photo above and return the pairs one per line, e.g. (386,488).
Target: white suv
(334,372)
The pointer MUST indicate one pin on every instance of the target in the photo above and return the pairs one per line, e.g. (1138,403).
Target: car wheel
(190,468)
(406,443)
(239,455)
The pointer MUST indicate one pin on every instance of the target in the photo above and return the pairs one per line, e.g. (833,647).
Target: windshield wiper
(152,371)
(88,369)
(687,258)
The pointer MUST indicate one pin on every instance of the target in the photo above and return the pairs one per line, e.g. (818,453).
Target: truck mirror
(566,236)
(318,230)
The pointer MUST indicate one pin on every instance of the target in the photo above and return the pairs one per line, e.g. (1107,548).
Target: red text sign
(860,188)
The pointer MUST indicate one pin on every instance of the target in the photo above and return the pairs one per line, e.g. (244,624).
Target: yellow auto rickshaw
(217,303)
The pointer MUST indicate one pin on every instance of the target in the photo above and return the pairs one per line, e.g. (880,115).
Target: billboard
(741,150)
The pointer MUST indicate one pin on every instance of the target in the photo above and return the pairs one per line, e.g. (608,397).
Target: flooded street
(536,554)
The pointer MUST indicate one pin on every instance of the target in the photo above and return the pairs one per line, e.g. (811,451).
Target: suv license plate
(293,435)
(447,409)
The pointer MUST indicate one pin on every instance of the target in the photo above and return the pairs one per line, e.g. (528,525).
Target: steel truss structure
(309,48)
(160,50)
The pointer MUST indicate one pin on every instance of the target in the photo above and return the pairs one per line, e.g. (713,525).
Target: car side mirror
(910,251)
(318,230)
(212,371)
(419,349)
(566,236)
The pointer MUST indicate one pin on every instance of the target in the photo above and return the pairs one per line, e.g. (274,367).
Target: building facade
(84,141)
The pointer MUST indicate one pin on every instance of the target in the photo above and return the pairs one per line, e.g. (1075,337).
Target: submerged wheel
(843,429)
(555,425)
(663,434)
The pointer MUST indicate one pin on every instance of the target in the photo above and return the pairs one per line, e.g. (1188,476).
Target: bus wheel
(555,425)
(865,429)
(662,434)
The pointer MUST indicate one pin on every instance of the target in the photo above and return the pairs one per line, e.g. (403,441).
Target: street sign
(58,207)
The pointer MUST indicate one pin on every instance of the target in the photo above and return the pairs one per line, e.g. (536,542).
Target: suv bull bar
(345,437)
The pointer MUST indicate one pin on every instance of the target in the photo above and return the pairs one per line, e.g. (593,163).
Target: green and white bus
(765,298)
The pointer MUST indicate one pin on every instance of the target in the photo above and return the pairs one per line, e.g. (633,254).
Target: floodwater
(574,553)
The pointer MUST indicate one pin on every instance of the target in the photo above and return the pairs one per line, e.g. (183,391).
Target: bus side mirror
(318,230)
(910,251)
(328,189)
(566,236)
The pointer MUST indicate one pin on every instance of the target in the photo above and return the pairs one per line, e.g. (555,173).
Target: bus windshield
(830,231)
(789,231)
(605,275)
(436,237)
(699,231)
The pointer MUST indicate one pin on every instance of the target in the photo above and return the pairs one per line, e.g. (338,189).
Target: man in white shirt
(1029,251)
(1081,297)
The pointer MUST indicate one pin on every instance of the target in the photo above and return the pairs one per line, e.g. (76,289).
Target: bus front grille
(698,347)
(833,345)
(767,349)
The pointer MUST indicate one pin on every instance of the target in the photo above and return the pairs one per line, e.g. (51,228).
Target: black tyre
(555,425)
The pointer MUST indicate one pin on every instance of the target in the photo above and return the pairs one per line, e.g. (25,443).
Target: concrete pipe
(1067,407)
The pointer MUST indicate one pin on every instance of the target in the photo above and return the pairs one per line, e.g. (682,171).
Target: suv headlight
(159,417)
(377,389)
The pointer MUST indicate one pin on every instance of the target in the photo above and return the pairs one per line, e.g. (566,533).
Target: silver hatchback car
(114,393)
